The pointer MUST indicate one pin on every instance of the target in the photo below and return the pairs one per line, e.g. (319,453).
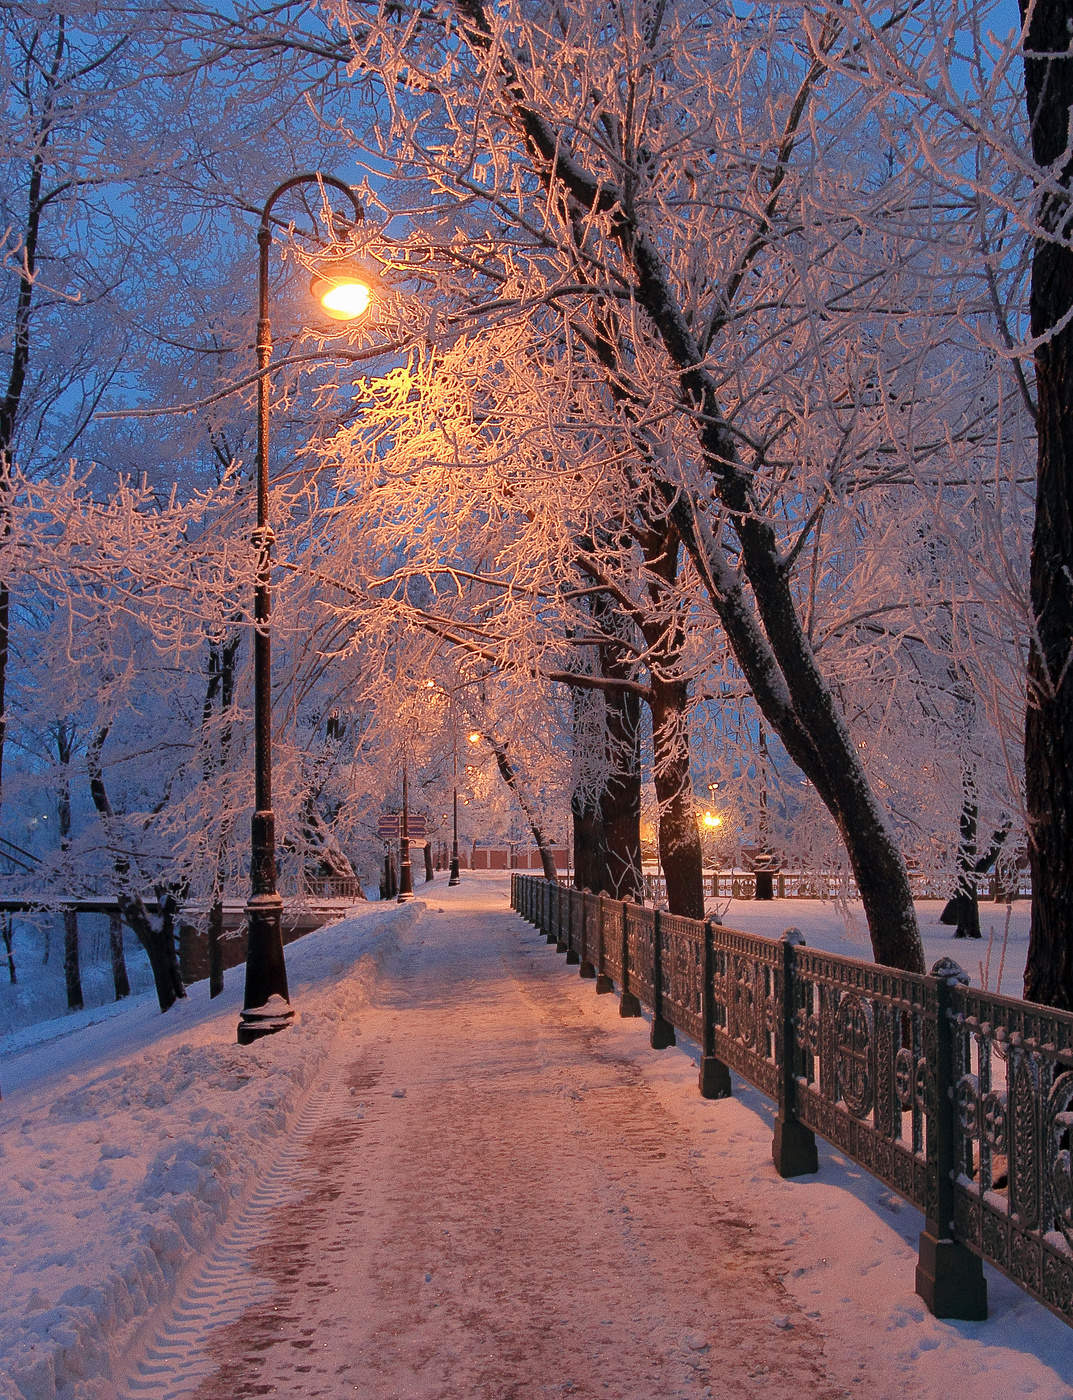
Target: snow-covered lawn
(127,1138)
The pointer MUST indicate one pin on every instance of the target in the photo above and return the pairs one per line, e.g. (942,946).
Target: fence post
(603,982)
(585,968)
(793,1148)
(662,1034)
(628,1005)
(949,1277)
(548,900)
(573,957)
(561,934)
(714,1078)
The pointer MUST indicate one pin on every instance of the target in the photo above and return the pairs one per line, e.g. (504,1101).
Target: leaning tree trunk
(509,774)
(765,631)
(1049,720)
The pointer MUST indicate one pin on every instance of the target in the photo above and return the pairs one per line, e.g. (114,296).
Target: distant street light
(343,294)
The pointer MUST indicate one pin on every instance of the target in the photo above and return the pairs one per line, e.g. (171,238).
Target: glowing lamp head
(712,820)
(343,290)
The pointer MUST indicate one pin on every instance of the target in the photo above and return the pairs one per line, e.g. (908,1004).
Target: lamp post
(266,1007)
(454,878)
(406,878)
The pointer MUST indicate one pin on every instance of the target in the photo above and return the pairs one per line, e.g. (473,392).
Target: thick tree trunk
(620,801)
(607,823)
(590,857)
(120,980)
(1049,720)
(430,874)
(158,940)
(680,851)
(72,972)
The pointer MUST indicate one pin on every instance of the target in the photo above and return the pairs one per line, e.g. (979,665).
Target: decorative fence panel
(683,973)
(960,1101)
(830,884)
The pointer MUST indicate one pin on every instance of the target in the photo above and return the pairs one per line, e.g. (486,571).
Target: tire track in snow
(226,1284)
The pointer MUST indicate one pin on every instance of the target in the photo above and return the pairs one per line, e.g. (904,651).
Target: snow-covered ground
(1001,949)
(127,1139)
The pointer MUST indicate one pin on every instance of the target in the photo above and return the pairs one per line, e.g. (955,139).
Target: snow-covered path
(497,1207)
(460,1173)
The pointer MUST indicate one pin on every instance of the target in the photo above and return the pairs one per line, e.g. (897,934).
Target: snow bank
(120,1157)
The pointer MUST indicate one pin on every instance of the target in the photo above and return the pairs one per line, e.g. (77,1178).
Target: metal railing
(830,884)
(959,1100)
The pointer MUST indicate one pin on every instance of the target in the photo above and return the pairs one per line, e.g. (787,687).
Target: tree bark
(680,850)
(765,631)
(509,775)
(72,972)
(120,980)
(1049,719)
(159,941)
(620,800)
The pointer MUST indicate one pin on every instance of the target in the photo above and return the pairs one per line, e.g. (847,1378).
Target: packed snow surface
(494,1188)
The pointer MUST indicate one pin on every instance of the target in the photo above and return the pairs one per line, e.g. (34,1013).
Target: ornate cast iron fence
(959,1100)
(831,884)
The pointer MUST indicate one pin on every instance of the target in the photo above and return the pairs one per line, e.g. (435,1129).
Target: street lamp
(266,1007)
(454,877)
(406,878)
(452,693)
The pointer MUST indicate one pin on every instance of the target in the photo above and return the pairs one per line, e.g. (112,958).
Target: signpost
(389,826)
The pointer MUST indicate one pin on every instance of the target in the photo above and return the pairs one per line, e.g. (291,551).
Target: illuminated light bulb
(346,301)
(343,290)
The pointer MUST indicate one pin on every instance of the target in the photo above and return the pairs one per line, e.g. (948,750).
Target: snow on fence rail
(959,1100)
(828,884)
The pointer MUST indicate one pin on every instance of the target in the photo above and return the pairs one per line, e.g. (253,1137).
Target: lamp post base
(258,1021)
